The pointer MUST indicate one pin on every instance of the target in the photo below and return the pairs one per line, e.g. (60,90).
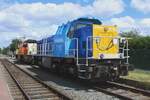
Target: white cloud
(145,22)
(37,20)
(108,7)
(12,22)
(141,5)
(128,23)
(123,22)
(145,26)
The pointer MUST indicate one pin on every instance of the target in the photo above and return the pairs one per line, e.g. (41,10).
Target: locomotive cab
(98,53)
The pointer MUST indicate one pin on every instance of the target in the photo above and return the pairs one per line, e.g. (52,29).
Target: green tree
(137,41)
(14,45)
(5,50)
(139,46)
(132,34)
(0,50)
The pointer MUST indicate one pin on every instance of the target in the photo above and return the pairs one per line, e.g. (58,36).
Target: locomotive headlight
(115,68)
(115,41)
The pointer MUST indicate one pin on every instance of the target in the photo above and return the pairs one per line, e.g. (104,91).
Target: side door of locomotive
(80,33)
(84,32)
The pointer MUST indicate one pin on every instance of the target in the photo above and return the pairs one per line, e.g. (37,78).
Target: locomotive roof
(64,27)
(94,21)
(30,41)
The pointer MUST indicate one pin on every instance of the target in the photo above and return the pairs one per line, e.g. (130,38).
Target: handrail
(75,50)
(124,50)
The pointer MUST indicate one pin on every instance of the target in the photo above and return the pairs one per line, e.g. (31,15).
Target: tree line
(136,40)
(11,48)
(139,52)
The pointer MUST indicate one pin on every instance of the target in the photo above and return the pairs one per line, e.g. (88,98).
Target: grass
(141,76)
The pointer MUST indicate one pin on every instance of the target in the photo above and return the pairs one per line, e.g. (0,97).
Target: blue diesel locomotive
(85,49)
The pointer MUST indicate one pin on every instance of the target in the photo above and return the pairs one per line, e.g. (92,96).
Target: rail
(23,83)
(122,91)
(27,97)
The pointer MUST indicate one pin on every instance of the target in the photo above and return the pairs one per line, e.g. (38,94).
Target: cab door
(84,32)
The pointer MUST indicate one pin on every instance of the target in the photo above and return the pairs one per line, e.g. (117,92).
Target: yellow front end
(105,42)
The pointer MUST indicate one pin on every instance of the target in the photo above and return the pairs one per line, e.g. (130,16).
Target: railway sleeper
(55,98)
(35,89)
(32,86)
(43,96)
(38,92)
(18,97)
(26,83)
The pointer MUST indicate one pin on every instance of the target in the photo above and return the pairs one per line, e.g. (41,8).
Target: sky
(37,19)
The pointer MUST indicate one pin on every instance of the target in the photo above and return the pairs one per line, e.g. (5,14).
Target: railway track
(115,89)
(27,87)
(15,92)
(134,83)
(123,91)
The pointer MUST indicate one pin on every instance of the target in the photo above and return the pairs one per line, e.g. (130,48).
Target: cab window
(81,26)
(71,32)
(75,27)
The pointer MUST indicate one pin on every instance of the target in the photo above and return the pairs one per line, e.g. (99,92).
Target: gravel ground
(74,90)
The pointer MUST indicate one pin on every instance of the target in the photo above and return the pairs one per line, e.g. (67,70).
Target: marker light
(115,41)
(101,56)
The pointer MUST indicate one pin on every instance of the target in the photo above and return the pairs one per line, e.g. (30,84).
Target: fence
(140,58)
